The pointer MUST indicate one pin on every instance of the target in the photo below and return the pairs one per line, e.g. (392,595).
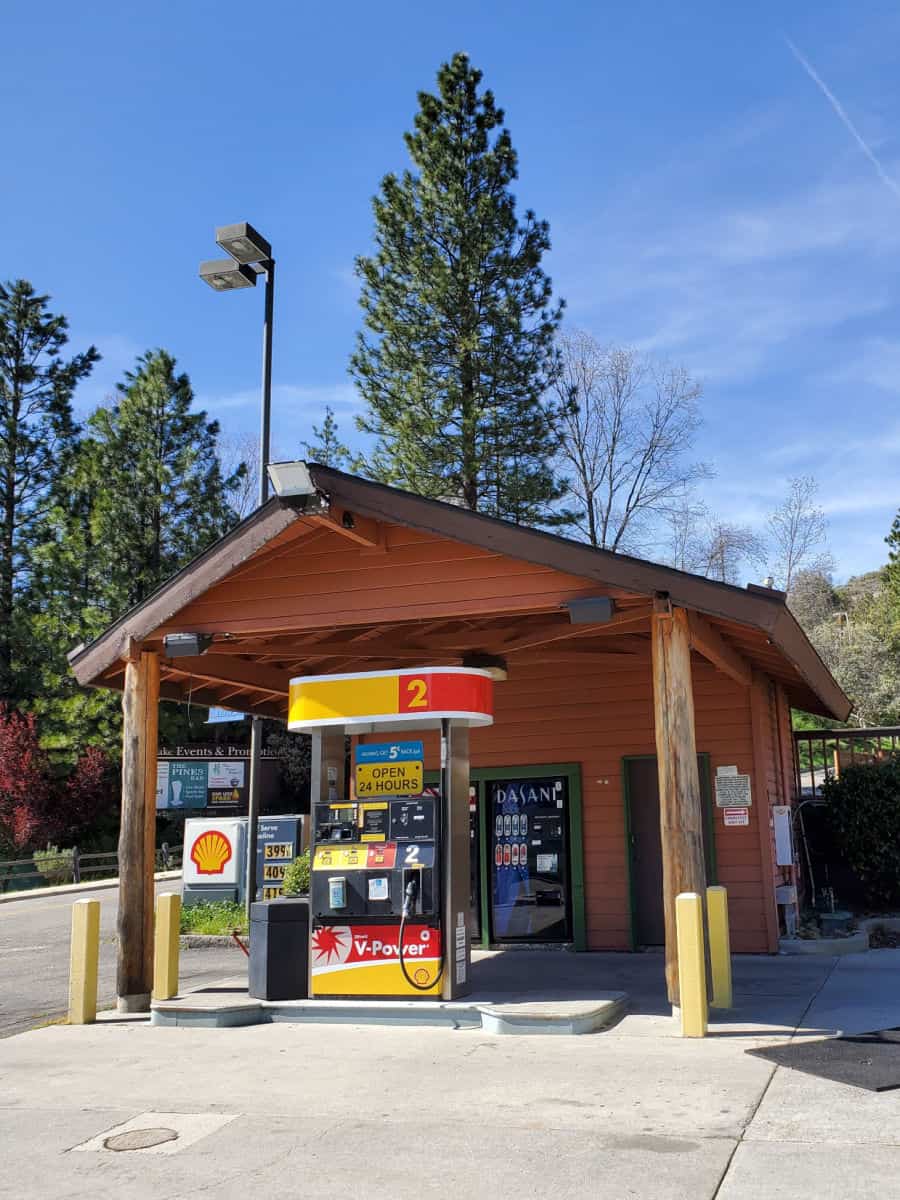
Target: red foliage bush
(35,806)
(89,793)
(26,783)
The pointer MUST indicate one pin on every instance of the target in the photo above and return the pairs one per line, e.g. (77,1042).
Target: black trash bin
(279,949)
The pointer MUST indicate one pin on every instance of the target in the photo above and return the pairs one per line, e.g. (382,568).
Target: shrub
(864,816)
(54,864)
(296,877)
(213,916)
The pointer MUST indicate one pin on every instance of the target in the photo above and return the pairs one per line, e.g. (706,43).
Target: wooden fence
(76,867)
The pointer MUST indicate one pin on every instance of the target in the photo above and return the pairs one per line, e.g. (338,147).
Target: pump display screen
(529,851)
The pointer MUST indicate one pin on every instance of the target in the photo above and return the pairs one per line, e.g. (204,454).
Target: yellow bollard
(719,947)
(83,959)
(691,964)
(165,949)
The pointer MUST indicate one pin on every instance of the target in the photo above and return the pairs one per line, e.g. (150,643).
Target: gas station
(518,740)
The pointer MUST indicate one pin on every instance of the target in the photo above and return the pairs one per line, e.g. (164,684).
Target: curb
(73,888)
(200,941)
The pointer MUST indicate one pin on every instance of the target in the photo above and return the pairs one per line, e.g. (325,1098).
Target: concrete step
(231,1006)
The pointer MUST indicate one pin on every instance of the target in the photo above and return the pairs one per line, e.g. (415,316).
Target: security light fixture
(291,479)
(186,645)
(590,610)
(224,274)
(243,243)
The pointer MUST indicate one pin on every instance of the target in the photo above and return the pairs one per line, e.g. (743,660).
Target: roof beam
(710,643)
(219,669)
(361,530)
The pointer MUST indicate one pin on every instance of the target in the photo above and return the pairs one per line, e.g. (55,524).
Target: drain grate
(139,1139)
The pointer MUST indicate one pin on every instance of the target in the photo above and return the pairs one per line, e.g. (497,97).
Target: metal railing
(820,754)
(74,866)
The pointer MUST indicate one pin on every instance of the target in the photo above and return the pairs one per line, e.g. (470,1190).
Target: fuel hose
(412,890)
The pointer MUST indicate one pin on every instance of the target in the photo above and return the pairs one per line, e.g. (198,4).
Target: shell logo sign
(210,852)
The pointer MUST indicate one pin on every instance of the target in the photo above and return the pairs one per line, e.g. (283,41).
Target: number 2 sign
(413,693)
(381,699)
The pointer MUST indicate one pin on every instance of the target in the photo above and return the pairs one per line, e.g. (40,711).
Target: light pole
(250,255)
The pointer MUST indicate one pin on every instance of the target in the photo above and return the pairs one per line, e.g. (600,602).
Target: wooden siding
(418,576)
(595,718)
(589,713)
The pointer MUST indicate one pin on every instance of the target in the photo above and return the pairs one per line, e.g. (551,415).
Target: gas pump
(376,897)
(389,893)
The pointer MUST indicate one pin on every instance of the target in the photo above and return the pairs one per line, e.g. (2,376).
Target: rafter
(710,643)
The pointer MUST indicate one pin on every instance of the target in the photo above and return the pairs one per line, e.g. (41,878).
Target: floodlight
(590,610)
(224,274)
(291,479)
(186,645)
(243,243)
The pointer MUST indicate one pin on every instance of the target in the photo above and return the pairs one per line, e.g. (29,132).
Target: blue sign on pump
(390,752)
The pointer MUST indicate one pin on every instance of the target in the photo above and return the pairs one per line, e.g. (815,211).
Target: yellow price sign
(278,850)
(274,870)
(389,779)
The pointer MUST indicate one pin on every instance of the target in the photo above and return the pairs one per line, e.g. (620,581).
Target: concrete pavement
(34,956)
(345,1111)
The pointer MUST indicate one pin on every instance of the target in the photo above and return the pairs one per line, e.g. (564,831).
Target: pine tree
(159,497)
(37,434)
(142,495)
(460,317)
(328,450)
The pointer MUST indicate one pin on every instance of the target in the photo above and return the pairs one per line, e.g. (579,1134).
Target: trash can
(279,949)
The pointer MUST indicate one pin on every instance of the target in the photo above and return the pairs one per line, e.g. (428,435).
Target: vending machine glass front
(529,860)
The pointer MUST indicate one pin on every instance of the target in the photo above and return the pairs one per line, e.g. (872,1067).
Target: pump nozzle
(410,895)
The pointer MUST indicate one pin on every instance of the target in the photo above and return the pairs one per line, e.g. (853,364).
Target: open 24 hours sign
(389,769)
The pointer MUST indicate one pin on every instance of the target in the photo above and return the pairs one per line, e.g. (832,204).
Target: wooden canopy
(362,576)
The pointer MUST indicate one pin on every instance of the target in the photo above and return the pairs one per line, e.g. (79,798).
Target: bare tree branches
(798,529)
(628,425)
(705,545)
(236,449)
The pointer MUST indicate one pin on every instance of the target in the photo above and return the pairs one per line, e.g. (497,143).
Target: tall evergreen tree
(460,317)
(159,496)
(142,495)
(37,435)
(328,449)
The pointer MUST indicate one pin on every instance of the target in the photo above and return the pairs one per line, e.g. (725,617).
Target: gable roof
(762,610)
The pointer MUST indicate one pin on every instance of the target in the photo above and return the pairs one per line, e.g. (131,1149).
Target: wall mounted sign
(733,791)
(374,699)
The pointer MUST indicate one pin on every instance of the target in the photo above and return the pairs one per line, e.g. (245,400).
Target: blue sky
(706,201)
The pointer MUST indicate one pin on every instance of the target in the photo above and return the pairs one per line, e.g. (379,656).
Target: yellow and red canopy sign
(387,698)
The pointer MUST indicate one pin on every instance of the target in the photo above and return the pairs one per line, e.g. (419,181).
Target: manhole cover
(139,1139)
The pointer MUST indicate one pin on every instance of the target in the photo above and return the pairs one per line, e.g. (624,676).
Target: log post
(137,833)
(680,805)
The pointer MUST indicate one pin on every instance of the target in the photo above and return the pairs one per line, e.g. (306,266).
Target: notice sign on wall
(733,791)
(736,816)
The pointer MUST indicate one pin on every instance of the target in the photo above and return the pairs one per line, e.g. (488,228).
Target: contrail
(848,124)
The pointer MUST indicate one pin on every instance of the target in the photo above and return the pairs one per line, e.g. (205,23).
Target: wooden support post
(137,834)
(680,805)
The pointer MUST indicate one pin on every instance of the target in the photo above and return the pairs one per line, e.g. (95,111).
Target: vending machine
(376,897)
